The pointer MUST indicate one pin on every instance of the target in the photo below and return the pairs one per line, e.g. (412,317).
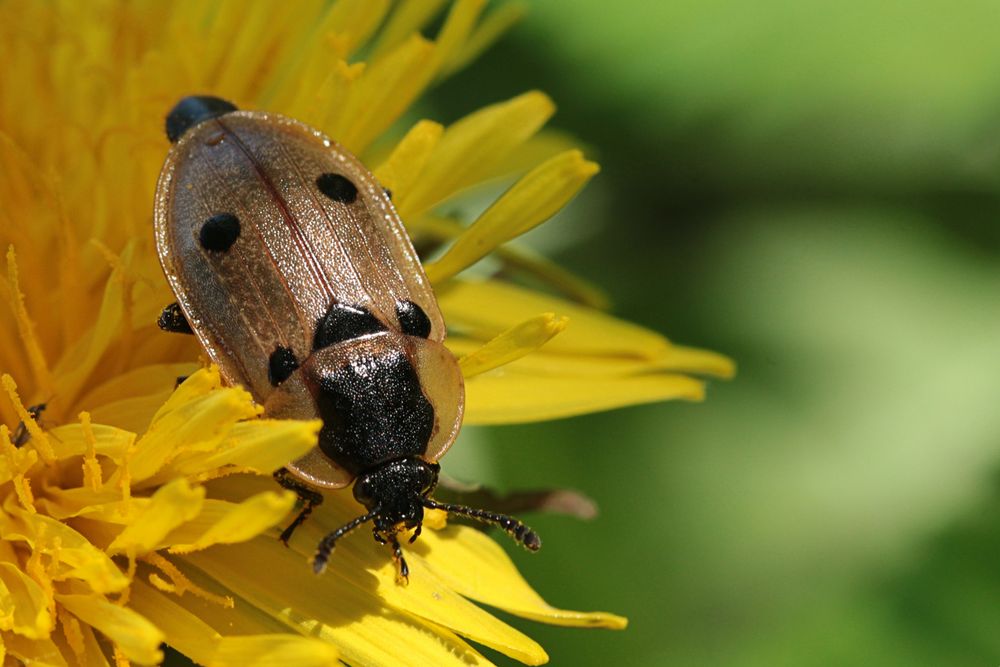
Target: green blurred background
(810,187)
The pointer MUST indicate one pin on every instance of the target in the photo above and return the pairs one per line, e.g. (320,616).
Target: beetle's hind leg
(307,497)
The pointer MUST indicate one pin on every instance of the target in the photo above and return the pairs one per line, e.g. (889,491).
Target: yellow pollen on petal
(74,635)
(180,584)
(126,594)
(26,328)
(22,486)
(222,471)
(120,659)
(92,475)
(39,438)
(435,519)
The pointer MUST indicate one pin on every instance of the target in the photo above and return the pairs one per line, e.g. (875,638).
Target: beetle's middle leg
(307,497)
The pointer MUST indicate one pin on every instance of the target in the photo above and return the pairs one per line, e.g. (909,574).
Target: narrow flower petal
(240,522)
(506,396)
(472,146)
(74,556)
(261,444)
(531,201)
(341,610)
(425,596)
(138,639)
(410,17)
(512,344)
(592,333)
(23,604)
(383,92)
(519,261)
(273,651)
(170,506)
(399,171)
(489,30)
(496,582)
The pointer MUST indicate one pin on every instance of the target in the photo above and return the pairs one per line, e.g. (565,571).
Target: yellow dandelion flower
(137,513)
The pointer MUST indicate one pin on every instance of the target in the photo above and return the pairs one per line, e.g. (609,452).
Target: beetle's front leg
(307,497)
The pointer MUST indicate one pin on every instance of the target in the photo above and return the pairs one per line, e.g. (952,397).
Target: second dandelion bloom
(137,514)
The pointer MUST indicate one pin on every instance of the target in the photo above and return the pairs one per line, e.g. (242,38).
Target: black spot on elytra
(219,232)
(281,364)
(343,322)
(413,321)
(193,110)
(337,188)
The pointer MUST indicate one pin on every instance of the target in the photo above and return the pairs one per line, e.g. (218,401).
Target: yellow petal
(74,555)
(593,332)
(70,440)
(169,507)
(23,604)
(182,629)
(425,596)
(261,444)
(403,166)
(489,30)
(550,361)
(472,146)
(229,523)
(192,636)
(338,606)
(353,21)
(40,652)
(384,92)
(273,650)
(518,260)
(531,201)
(138,639)
(145,380)
(408,18)
(505,396)
(200,420)
(494,580)
(513,344)
(431,598)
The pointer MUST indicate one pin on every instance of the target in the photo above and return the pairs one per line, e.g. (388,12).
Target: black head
(395,494)
(193,110)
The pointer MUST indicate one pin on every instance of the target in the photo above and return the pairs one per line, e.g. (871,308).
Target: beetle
(290,265)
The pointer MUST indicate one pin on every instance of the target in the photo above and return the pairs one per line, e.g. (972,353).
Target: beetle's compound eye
(281,364)
(363,492)
(219,232)
(413,321)
(343,322)
(193,110)
(337,188)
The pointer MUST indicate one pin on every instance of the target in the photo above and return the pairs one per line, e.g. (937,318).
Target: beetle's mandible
(290,265)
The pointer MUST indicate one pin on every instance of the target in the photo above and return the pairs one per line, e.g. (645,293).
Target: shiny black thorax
(371,402)
(373,411)
(377,422)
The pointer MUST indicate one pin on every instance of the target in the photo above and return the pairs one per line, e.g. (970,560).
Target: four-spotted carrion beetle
(291,266)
